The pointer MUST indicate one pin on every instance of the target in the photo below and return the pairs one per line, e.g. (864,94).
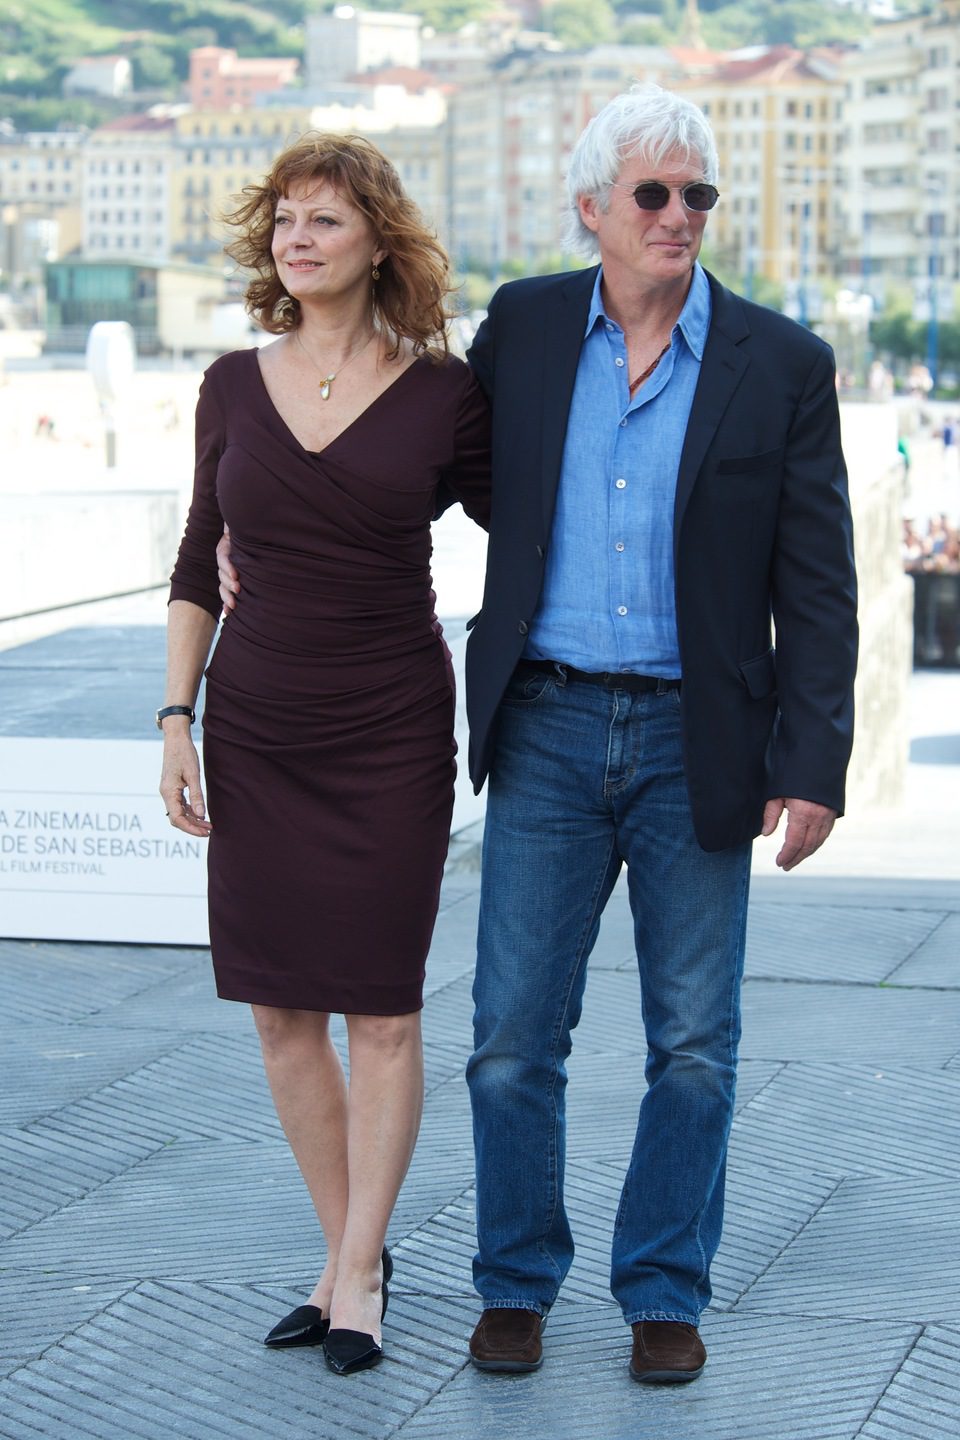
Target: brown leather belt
(610,680)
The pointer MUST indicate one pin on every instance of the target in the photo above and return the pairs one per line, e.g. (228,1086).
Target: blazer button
(523,627)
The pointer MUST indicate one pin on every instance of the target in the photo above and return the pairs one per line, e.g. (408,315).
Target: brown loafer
(507,1340)
(666,1352)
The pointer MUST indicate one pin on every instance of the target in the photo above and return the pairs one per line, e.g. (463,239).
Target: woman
(328,725)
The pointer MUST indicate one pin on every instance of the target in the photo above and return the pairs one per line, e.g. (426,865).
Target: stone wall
(879,764)
(63,548)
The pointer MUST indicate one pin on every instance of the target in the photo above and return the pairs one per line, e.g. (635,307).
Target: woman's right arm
(192,616)
(190,632)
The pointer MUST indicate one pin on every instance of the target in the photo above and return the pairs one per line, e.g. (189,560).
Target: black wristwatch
(174,710)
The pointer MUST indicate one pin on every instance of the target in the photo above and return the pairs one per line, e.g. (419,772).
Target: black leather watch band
(174,710)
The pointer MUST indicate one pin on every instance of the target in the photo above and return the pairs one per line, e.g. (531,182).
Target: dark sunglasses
(654,195)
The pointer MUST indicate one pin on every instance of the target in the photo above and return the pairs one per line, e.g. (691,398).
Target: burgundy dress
(328,722)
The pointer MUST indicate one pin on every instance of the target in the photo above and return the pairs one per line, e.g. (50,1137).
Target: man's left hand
(808,825)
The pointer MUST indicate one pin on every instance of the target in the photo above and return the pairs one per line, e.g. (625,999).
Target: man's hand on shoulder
(228,577)
(808,825)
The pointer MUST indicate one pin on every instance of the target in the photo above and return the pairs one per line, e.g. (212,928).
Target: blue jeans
(585,779)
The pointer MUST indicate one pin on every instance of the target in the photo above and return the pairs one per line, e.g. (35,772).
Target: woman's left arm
(467,477)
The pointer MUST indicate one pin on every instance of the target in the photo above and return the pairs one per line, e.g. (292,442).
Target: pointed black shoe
(307,1325)
(350,1350)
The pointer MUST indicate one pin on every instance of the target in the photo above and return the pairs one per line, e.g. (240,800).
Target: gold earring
(376,272)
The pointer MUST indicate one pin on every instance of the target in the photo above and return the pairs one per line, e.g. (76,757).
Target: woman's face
(323,246)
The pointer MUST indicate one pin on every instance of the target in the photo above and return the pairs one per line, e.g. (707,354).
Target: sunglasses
(654,195)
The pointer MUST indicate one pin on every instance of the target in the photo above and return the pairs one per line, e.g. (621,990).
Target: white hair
(646,121)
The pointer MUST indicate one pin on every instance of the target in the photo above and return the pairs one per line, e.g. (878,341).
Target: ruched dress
(329,709)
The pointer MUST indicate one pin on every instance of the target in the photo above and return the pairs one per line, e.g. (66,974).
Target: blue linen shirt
(608,595)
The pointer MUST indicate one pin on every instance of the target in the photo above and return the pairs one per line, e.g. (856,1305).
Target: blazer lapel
(721,371)
(564,324)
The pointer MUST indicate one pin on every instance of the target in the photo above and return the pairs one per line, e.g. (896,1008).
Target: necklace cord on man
(645,374)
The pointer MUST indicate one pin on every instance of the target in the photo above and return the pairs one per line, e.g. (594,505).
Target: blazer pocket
(760,675)
(747,464)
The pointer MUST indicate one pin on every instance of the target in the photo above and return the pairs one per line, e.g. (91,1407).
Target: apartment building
(899,194)
(776,119)
(40,190)
(511,132)
(348,40)
(220,80)
(218,152)
(127,186)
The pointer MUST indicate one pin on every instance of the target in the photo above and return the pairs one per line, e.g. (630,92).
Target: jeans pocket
(527,689)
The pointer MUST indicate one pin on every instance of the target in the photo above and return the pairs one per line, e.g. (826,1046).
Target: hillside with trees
(41,39)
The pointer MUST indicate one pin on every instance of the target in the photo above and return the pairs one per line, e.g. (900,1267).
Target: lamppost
(933,271)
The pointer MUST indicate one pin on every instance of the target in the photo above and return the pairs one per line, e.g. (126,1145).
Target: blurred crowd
(933,547)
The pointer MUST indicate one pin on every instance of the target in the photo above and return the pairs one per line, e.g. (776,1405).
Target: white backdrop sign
(86,852)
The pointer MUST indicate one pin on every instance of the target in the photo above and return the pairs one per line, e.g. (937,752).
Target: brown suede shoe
(507,1340)
(666,1351)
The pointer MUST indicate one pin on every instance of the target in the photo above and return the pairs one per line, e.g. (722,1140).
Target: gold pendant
(325,386)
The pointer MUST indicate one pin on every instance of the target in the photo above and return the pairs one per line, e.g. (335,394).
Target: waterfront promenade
(153,1225)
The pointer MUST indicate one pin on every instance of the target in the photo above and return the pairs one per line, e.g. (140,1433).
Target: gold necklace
(327,380)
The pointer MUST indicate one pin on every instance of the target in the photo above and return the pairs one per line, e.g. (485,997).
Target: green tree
(582,23)
(444,15)
(801,23)
(153,68)
(898,336)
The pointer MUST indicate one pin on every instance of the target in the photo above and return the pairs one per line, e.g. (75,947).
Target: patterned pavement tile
(854,1120)
(187,1360)
(877,1247)
(45,1066)
(793,942)
(37,1311)
(936,962)
(48,981)
(766,1379)
(856,1023)
(923,1399)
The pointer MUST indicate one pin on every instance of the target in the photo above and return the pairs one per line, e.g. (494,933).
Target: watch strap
(174,710)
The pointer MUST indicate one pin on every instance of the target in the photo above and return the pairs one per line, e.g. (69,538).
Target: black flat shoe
(350,1350)
(307,1325)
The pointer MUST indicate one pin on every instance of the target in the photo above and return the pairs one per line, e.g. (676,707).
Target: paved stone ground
(153,1224)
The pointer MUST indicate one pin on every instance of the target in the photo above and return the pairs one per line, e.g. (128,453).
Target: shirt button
(619,545)
(609,326)
(623,422)
(621,484)
(618,361)
(621,609)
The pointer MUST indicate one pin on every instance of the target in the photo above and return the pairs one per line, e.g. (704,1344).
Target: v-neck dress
(329,709)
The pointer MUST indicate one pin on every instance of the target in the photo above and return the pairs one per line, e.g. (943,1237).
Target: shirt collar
(694,319)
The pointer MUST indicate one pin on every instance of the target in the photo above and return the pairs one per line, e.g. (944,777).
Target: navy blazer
(761,531)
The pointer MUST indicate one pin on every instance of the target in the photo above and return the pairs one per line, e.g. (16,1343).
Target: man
(667,478)
(667,475)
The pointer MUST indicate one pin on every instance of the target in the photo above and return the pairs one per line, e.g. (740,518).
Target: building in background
(511,131)
(776,118)
(110,75)
(348,40)
(40,201)
(218,152)
(127,185)
(899,190)
(219,80)
(174,308)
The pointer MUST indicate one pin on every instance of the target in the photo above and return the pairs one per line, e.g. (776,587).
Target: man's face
(652,247)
